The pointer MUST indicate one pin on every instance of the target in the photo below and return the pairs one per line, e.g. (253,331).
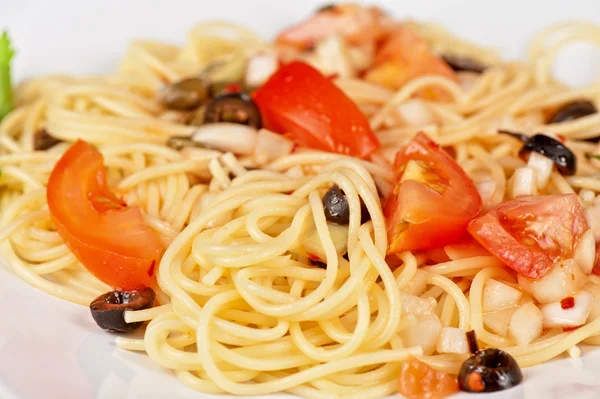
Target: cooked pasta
(258,291)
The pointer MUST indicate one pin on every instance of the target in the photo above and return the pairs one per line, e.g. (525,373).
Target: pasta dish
(362,206)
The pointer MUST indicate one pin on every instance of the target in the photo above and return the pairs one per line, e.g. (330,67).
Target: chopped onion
(424,332)
(587,197)
(452,340)
(543,167)
(592,215)
(523,182)
(414,113)
(260,68)
(333,57)
(526,324)
(418,284)
(486,190)
(556,316)
(585,252)
(227,137)
(499,296)
(562,280)
(462,251)
(417,305)
(499,321)
(296,172)
(361,57)
(271,146)
(339,235)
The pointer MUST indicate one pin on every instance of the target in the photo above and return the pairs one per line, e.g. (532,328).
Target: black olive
(185,94)
(573,110)
(523,137)
(463,64)
(42,140)
(108,309)
(233,108)
(337,209)
(488,370)
(563,158)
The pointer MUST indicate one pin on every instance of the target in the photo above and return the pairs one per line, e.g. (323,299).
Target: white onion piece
(523,182)
(499,321)
(556,316)
(587,197)
(333,57)
(418,284)
(487,190)
(271,146)
(592,216)
(526,324)
(260,68)
(227,137)
(585,252)
(543,167)
(417,305)
(339,235)
(462,251)
(361,57)
(562,280)
(296,172)
(452,340)
(414,113)
(499,296)
(424,332)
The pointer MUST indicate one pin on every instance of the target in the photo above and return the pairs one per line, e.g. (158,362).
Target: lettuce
(6,95)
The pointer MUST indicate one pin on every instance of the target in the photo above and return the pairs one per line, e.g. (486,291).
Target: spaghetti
(242,309)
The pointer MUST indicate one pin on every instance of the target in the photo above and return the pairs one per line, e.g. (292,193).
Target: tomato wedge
(530,233)
(300,101)
(420,381)
(433,200)
(110,239)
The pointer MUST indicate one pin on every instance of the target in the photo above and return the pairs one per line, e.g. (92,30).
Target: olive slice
(233,108)
(337,209)
(463,64)
(488,370)
(42,140)
(185,94)
(108,309)
(563,158)
(573,110)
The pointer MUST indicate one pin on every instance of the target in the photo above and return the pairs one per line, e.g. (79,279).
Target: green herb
(592,156)
(6,95)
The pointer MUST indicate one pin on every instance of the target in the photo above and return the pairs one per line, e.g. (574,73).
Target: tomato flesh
(300,101)
(433,200)
(530,233)
(420,381)
(109,238)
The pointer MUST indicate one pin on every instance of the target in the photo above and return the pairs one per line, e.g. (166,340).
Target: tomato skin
(300,101)
(420,217)
(109,238)
(530,233)
(419,381)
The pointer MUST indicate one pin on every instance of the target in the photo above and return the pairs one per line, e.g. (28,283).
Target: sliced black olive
(233,108)
(42,140)
(318,263)
(573,110)
(108,309)
(463,64)
(337,209)
(563,158)
(488,370)
(523,137)
(185,94)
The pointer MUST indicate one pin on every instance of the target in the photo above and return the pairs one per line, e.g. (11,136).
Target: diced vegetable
(260,68)
(499,296)
(499,321)
(543,167)
(419,381)
(339,235)
(227,137)
(418,284)
(585,252)
(271,146)
(526,324)
(425,333)
(417,305)
(563,279)
(523,182)
(6,94)
(558,314)
(452,340)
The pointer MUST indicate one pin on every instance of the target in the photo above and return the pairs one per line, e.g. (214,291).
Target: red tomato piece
(433,200)
(110,239)
(420,381)
(530,233)
(300,101)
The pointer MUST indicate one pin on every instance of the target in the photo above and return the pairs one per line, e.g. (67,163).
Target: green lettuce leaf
(6,94)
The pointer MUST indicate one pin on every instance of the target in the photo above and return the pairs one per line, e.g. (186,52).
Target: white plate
(52,349)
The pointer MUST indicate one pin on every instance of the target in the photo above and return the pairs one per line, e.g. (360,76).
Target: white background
(52,349)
